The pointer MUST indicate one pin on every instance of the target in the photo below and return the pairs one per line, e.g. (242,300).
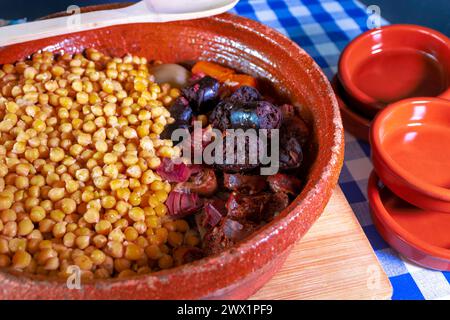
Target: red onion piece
(182,204)
(173,172)
(213,212)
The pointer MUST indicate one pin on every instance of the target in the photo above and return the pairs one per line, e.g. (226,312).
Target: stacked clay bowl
(388,64)
(409,191)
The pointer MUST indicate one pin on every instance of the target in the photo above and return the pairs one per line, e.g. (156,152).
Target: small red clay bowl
(353,122)
(249,47)
(392,63)
(419,235)
(410,143)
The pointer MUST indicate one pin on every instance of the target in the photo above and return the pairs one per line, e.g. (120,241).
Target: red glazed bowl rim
(354,123)
(346,110)
(345,76)
(322,183)
(408,179)
(391,226)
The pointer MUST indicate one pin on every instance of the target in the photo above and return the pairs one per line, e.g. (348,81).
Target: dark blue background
(32,9)
(431,13)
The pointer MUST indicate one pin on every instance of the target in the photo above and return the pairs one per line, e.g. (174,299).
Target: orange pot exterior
(356,124)
(385,210)
(250,48)
(412,39)
(408,179)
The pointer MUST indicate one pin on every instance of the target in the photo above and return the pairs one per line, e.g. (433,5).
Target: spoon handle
(140,12)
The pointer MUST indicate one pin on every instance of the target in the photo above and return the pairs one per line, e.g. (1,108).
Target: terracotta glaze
(410,143)
(393,75)
(358,125)
(248,47)
(419,235)
(392,63)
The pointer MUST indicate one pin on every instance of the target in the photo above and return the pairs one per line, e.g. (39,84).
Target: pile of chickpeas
(79,145)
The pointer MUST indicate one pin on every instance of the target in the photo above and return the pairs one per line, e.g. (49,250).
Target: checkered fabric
(323,28)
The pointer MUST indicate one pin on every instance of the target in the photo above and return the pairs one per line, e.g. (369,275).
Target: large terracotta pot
(249,47)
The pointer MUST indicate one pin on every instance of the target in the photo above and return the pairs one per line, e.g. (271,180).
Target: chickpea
(82,242)
(80,143)
(25,227)
(56,154)
(92,216)
(68,205)
(5,261)
(84,262)
(37,214)
(21,259)
(136,214)
(165,262)
(133,252)
(115,249)
(98,257)
(103,227)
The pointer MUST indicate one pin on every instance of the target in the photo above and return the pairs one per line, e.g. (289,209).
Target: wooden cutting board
(334,260)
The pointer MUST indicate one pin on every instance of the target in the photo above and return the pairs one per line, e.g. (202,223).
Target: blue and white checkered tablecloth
(323,28)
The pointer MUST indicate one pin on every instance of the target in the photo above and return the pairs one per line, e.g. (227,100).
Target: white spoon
(143,11)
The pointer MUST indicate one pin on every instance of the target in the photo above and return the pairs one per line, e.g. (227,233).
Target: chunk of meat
(171,127)
(241,157)
(245,207)
(202,95)
(213,212)
(246,184)
(182,113)
(294,134)
(287,110)
(226,234)
(180,110)
(235,114)
(220,116)
(243,116)
(278,202)
(256,208)
(270,116)
(296,127)
(282,182)
(202,182)
(246,94)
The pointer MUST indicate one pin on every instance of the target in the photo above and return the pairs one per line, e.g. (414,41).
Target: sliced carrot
(243,80)
(223,74)
(213,70)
